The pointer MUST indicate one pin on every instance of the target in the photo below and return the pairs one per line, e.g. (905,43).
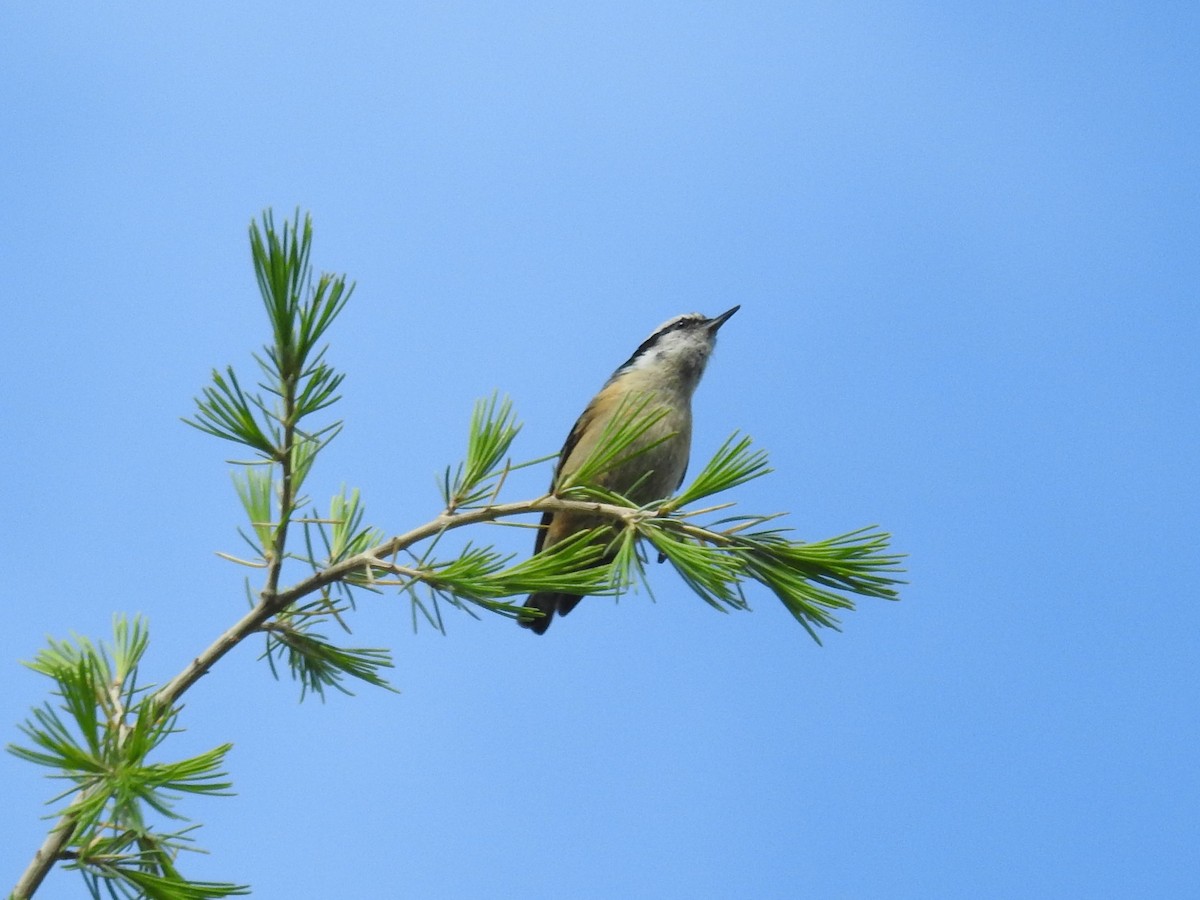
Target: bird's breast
(655,463)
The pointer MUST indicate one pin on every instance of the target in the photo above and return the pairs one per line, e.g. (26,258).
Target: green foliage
(255,487)
(812,579)
(480,576)
(493,429)
(100,739)
(103,736)
(711,573)
(347,536)
(313,660)
(732,465)
(227,412)
(295,372)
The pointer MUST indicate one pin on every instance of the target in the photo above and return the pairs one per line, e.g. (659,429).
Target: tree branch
(270,604)
(810,579)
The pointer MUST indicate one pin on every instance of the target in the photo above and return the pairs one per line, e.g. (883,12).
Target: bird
(662,374)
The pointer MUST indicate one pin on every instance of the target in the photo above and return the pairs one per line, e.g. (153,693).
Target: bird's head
(678,350)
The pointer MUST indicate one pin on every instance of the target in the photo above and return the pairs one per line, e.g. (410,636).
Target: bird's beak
(714,324)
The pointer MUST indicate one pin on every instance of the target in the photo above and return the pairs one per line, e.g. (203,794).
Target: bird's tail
(548,604)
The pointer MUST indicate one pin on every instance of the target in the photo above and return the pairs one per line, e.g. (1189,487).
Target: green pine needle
(317,663)
(712,573)
(492,431)
(732,465)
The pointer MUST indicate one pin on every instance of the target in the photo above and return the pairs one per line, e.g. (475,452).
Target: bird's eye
(679,325)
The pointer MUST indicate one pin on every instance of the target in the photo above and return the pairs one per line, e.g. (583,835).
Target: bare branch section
(99,732)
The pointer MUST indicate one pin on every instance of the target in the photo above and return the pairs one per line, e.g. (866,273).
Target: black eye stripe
(674,325)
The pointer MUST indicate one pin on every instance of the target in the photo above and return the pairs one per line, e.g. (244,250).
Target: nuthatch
(662,373)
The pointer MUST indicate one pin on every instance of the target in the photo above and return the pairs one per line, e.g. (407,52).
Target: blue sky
(964,241)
